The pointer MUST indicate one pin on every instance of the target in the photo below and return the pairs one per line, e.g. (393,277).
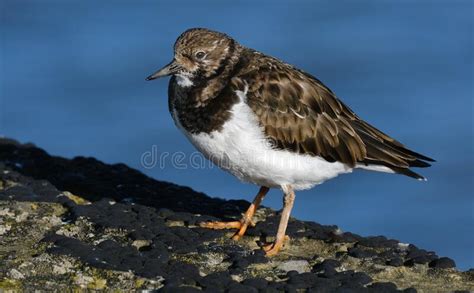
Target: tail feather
(382,150)
(408,173)
(414,154)
(419,164)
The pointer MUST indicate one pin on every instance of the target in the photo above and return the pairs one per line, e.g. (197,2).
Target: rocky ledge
(83,224)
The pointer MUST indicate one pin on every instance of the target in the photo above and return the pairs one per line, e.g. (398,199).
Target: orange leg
(288,201)
(246,220)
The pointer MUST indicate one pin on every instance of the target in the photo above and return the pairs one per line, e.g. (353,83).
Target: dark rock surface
(81,223)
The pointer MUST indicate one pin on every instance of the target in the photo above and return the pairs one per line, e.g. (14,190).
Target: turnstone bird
(269,123)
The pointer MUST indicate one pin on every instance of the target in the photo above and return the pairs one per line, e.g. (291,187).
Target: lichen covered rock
(82,224)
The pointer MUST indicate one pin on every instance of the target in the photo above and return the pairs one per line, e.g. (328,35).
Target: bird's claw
(273,248)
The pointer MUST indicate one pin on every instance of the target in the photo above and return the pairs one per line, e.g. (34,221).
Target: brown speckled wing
(300,114)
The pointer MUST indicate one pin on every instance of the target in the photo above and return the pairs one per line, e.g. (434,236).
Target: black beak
(170,69)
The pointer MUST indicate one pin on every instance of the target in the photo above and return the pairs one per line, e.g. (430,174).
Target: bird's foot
(272,249)
(245,222)
(241,225)
(221,225)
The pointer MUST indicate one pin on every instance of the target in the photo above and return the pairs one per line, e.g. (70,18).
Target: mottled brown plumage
(226,96)
(300,114)
(296,111)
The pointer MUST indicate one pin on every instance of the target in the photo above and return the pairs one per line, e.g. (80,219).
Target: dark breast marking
(198,115)
(196,118)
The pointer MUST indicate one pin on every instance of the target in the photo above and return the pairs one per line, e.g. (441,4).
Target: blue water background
(72,81)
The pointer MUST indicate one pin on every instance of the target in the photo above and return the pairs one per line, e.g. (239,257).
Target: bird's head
(199,54)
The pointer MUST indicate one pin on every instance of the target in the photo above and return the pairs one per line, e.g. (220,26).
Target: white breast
(183,81)
(241,148)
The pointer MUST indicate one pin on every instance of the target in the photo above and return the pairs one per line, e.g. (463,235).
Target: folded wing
(298,113)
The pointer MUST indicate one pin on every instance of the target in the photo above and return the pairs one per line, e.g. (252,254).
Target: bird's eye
(200,55)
